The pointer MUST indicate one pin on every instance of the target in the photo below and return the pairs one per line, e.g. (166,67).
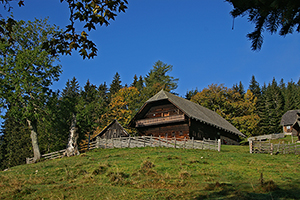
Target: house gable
(113,130)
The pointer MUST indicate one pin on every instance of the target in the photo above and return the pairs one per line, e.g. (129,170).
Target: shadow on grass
(231,192)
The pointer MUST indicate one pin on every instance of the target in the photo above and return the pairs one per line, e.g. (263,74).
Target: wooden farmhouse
(113,130)
(168,115)
(290,122)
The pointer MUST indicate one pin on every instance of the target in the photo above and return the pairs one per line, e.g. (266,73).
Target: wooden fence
(149,141)
(267,137)
(141,141)
(53,155)
(268,147)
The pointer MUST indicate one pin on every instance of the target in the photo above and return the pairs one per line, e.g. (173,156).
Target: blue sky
(195,36)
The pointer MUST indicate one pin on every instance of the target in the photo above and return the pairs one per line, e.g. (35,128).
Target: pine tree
(16,143)
(290,97)
(138,83)
(254,87)
(274,106)
(189,94)
(158,76)
(115,85)
(239,88)
(70,98)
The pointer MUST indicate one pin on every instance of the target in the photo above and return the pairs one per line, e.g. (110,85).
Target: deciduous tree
(27,71)
(89,13)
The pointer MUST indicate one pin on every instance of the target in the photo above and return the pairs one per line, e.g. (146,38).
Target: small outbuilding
(168,115)
(113,130)
(288,121)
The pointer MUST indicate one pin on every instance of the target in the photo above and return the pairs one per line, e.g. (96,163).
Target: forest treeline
(254,111)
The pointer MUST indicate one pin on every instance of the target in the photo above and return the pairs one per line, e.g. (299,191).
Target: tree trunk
(34,140)
(72,147)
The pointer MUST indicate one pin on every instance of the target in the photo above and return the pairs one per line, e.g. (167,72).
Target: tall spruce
(189,94)
(115,85)
(290,97)
(137,82)
(91,107)
(15,144)
(239,88)
(158,78)
(70,98)
(254,87)
(274,106)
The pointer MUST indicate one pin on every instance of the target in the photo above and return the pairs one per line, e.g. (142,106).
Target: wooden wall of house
(199,130)
(290,130)
(179,130)
(164,110)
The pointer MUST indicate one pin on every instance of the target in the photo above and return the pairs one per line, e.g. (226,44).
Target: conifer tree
(189,94)
(274,106)
(137,82)
(15,142)
(290,97)
(269,15)
(254,87)
(70,98)
(115,85)
(239,88)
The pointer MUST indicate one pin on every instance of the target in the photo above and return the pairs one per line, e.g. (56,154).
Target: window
(166,114)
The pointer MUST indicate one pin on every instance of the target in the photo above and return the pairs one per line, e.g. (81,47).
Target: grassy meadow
(157,173)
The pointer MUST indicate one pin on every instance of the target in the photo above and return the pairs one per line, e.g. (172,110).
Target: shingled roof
(197,112)
(289,117)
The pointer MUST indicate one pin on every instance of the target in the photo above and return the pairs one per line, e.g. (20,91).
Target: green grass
(157,173)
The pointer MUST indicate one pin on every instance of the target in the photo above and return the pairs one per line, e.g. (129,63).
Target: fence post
(121,141)
(193,141)
(219,145)
(97,142)
(209,143)
(184,142)
(129,142)
(271,149)
(167,139)
(105,142)
(151,141)
(175,142)
(159,141)
(251,146)
(112,141)
(144,141)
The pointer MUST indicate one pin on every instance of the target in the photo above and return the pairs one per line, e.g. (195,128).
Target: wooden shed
(288,120)
(113,130)
(168,115)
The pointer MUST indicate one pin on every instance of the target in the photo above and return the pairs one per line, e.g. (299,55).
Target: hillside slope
(157,173)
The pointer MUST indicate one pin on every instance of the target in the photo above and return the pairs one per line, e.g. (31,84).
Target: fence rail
(144,141)
(141,141)
(52,155)
(267,137)
(268,147)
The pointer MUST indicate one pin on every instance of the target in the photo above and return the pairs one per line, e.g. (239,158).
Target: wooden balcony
(159,120)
